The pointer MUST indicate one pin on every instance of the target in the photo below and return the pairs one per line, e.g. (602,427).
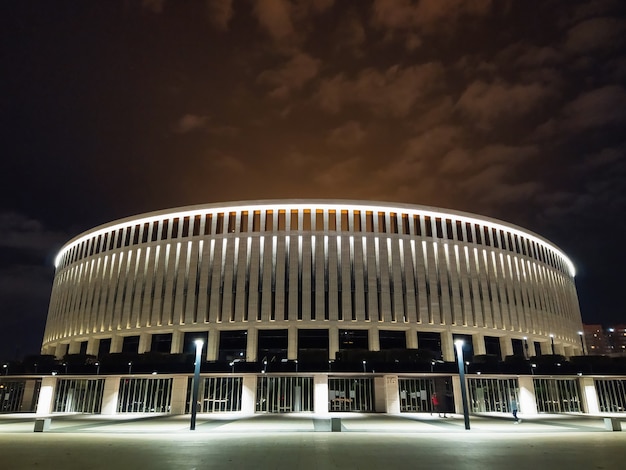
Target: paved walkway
(291,441)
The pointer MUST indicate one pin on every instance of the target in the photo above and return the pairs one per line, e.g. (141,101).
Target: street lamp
(196,384)
(552,342)
(582,342)
(97,364)
(6,369)
(364,365)
(459,359)
(130,368)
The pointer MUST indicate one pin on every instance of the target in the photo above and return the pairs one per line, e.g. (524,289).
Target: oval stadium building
(291,279)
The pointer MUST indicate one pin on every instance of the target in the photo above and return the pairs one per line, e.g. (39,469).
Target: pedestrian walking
(436,405)
(514,410)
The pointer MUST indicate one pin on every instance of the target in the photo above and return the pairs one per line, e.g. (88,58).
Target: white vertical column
(380,394)
(252,344)
(333,342)
(116,344)
(144,343)
(447,346)
(177,342)
(478,343)
(292,343)
(320,394)
(392,397)
(527,402)
(506,346)
(212,346)
(411,339)
(46,395)
(179,394)
(458,396)
(373,338)
(248,394)
(110,395)
(27,398)
(590,396)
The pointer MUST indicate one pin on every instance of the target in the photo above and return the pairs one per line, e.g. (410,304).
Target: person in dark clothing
(514,410)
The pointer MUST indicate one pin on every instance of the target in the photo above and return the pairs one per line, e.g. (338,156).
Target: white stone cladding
(325,264)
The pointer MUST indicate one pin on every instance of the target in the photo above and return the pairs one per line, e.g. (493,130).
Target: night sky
(509,109)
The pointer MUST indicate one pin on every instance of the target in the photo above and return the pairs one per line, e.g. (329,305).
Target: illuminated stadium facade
(300,279)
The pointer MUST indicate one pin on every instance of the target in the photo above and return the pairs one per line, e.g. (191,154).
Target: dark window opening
(189,345)
(468,346)
(390,339)
(313,345)
(272,345)
(427,341)
(104,347)
(130,344)
(161,343)
(353,339)
(492,346)
(233,345)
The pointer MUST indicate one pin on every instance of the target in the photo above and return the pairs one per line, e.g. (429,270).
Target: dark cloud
(509,109)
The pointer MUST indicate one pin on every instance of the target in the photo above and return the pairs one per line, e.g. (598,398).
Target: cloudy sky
(514,109)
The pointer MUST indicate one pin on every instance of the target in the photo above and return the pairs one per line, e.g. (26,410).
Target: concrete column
(380,394)
(74,347)
(320,394)
(527,402)
(27,404)
(447,346)
(590,397)
(110,395)
(292,343)
(144,343)
(546,348)
(46,395)
(478,343)
(177,342)
(179,394)
(61,350)
(559,349)
(458,397)
(248,394)
(373,339)
(252,344)
(392,395)
(92,346)
(116,343)
(333,340)
(506,346)
(213,345)
(411,339)
(531,348)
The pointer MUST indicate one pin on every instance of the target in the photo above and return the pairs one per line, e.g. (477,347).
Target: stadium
(315,306)
(298,279)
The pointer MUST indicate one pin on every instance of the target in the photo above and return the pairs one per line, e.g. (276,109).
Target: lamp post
(459,359)
(582,342)
(97,367)
(6,369)
(364,365)
(552,342)
(130,368)
(196,384)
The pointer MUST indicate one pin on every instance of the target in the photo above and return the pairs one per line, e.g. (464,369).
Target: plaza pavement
(301,441)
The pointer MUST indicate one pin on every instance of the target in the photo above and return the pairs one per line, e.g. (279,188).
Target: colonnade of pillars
(545,345)
(386,393)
